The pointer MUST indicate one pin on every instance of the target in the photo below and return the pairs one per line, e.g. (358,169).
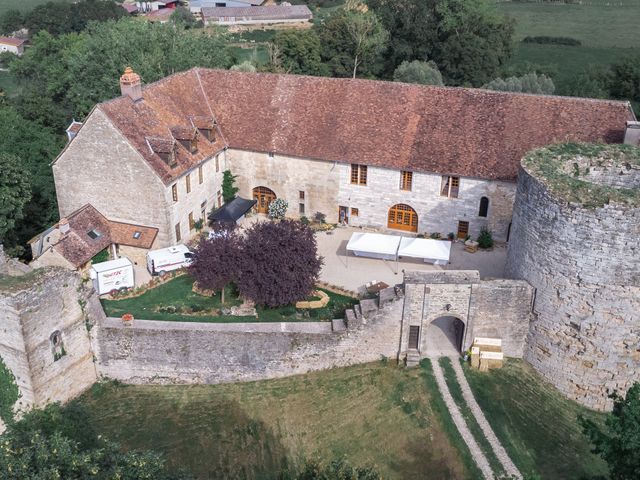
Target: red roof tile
(16,42)
(467,132)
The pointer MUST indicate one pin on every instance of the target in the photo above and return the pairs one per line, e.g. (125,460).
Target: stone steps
(413,358)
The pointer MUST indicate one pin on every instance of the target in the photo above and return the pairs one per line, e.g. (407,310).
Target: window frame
(174,192)
(177,232)
(187,180)
(200,175)
(406,180)
(192,222)
(450,186)
(355,212)
(358,174)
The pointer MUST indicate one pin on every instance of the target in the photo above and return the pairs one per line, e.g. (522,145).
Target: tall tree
(63,17)
(280,263)
(618,443)
(15,192)
(466,38)
(229,189)
(353,41)
(10,21)
(625,79)
(301,52)
(425,73)
(217,260)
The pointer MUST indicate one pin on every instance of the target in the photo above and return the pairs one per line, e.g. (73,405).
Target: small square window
(270,154)
(93,234)
(301,195)
(354,212)
(137,235)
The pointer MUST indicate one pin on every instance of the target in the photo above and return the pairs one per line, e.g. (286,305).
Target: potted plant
(451,236)
(127,319)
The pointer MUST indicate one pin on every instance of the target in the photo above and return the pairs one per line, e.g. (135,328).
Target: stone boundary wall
(585,266)
(187,353)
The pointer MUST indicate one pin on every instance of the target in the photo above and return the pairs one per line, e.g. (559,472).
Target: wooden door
(463,229)
(403,217)
(414,337)
(264,196)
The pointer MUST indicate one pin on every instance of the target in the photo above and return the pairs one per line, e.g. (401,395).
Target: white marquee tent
(393,247)
(432,251)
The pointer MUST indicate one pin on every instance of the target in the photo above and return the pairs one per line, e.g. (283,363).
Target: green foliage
(15,192)
(466,38)
(625,79)
(11,21)
(353,42)
(301,52)
(245,66)
(336,469)
(592,82)
(63,17)
(617,442)
(544,39)
(182,16)
(435,236)
(278,209)
(101,256)
(528,83)
(229,189)
(425,73)
(9,393)
(485,239)
(58,443)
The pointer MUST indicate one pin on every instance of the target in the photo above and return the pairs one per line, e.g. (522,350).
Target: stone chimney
(131,85)
(632,133)
(63,225)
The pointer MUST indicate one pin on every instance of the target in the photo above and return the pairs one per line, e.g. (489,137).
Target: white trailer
(167,259)
(112,276)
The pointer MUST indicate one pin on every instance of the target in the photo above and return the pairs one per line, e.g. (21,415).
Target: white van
(112,276)
(164,260)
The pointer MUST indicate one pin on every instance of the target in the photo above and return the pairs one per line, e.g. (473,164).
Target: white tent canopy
(374,245)
(432,251)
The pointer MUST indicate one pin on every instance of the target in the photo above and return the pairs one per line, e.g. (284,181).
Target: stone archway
(263,196)
(444,336)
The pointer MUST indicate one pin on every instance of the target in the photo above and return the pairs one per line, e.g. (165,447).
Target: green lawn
(535,423)
(23,5)
(374,414)
(607,33)
(175,301)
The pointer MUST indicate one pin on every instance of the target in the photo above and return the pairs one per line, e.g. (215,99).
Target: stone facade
(584,263)
(45,341)
(436,213)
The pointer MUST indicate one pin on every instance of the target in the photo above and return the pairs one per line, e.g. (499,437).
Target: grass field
(607,33)
(173,301)
(22,5)
(374,414)
(535,423)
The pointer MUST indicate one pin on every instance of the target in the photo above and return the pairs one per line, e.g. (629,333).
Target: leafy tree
(528,83)
(36,147)
(229,189)
(618,443)
(245,66)
(15,192)
(217,260)
(301,52)
(425,73)
(59,443)
(625,79)
(280,263)
(64,17)
(466,38)
(337,469)
(353,41)
(11,21)
(593,82)
(182,16)
(9,393)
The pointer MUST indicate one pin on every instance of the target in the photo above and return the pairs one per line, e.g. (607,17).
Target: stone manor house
(397,156)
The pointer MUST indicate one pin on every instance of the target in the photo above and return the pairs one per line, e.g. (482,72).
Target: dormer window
(165,149)
(187,136)
(93,234)
(206,126)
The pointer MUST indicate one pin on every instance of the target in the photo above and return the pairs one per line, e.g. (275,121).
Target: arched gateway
(264,196)
(444,336)
(403,217)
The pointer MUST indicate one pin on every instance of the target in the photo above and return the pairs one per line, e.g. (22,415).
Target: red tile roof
(16,42)
(78,247)
(267,12)
(461,131)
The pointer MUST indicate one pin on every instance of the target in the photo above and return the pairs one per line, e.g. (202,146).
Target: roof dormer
(165,148)
(206,126)
(187,136)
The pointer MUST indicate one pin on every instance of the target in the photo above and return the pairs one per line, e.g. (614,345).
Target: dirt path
(497,447)
(461,425)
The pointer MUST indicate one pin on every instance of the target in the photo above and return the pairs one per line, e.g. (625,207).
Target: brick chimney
(131,85)
(632,133)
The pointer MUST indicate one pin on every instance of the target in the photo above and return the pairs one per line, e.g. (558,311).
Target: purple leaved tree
(217,261)
(280,263)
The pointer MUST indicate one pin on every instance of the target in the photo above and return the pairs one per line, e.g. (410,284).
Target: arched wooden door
(403,217)
(264,196)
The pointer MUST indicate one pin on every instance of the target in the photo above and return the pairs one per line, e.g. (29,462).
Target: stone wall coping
(463,277)
(317,328)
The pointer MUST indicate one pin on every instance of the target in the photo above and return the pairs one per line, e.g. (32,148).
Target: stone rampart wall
(585,266)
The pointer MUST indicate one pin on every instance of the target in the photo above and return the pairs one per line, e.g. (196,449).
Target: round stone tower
(575,238)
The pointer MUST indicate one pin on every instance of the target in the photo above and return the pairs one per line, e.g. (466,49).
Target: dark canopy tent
(232,211)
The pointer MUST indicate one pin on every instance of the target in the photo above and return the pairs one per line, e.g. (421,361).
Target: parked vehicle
(112,276)
(164,260)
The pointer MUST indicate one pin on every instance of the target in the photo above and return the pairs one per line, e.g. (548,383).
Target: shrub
(435,236)
(229,189)
(278,208)
(424,73)
(546,40)
(485,239)
(320,217)
(527,83)
(304,220)
(451,235)
(245,66)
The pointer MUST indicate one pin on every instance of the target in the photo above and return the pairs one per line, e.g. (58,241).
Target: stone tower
(576,239)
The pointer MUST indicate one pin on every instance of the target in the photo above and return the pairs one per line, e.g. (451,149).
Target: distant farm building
(256,15)
(13,45)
